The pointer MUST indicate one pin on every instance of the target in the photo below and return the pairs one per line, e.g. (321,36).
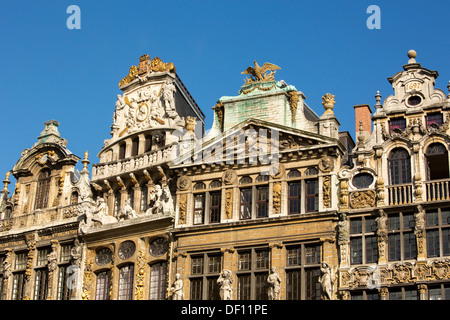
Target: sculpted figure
(225,281)
(274,284)
(168,96)
(52,259)
(343,229)
(167,201)
(177,288)
(326,281)
(7,265)
(121,111)
(75,253)
(127,211)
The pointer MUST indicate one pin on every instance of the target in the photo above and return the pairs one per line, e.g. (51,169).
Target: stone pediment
(250,139)
(413,88)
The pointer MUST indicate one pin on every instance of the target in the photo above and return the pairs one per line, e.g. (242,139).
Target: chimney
(363,118)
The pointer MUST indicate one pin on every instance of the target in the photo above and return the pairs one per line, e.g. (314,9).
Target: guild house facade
(273,203)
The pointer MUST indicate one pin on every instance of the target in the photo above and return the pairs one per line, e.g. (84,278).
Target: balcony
(152,158)
(400,194)
(437,190)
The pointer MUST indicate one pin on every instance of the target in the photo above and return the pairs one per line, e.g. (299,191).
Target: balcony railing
(438,190)
(103,170)
(400,194)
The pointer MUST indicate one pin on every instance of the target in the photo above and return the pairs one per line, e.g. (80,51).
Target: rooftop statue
(258,73)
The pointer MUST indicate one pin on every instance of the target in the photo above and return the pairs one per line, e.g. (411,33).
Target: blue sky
(51,72)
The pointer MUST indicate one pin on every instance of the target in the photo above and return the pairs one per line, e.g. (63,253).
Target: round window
(158,247)
(362,180)
(103,257)
(414,100)
(126,249)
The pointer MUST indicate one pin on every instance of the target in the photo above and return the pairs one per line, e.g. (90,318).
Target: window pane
(261,286)
(371,225)
(446,241)
(246,204)
(262,259)
(356,250)
(262,202)
(312,284)
(293,288)
(244,287)
(197,265)
(244,260)
(395,294)
(394,222)
(294,256)
(103,285)
(158,281)
(196,289)
(126,275)
(410,245)
(355,226)
(408,220)
(214,264)
(411,294)
(312,253)
(432,218)
(394,247)
(434,293)
(214,214)
(294,197)
(432,243)
(213,292)
(371,249)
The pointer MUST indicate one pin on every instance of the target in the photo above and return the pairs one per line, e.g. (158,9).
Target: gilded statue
(158,65)
(258,73)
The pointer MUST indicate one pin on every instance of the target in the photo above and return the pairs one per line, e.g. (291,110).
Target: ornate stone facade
(274,203)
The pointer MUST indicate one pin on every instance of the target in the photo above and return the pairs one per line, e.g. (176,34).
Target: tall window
(158,281)
(117,202)
(103,285)
(43,188)
(126,277)
(295,194)
(246,198)
(205,270)
(262,196)
(253,270)
(363,241)
(215,201)
(19,279)
(74,197)
(2,278)
(399,166)
(312,190)
(148,143)
(66,277)
(41,275)
(144,198)
(135,147)
(303,271)
(199,203)
(438,232)
(122,149)
(403,293)
(401,238)
(131,196)
(437,164)
(439,292)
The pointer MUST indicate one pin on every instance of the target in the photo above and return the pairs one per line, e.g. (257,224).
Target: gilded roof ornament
(6,181)
(328,102)
(258,74)
(146,66)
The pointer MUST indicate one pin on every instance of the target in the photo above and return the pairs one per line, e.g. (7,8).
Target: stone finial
(85,162)
(361,137)
(378,100)
(6,181)
(412,56)
(328,102)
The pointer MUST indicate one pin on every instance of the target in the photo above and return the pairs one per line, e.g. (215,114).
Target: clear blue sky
(51,72)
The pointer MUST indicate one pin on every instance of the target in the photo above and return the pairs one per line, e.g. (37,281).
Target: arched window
(246,180)
(43,188)
(117,201)
(215,184)
(199,186)
(158,281)
(294,174)
(437,162)
(399,166)
(74,197)
(126,277)
(103,285)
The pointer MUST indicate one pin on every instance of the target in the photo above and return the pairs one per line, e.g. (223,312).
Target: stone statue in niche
(274,282)
(168,96)
(177,288)
(52,259)
(343,229)
(127,211)
(7,265)
(225,281)
(326,281)
(167,201)
(75,253)
(120,112)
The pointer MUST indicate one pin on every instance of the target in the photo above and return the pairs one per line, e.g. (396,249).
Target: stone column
(423,289)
